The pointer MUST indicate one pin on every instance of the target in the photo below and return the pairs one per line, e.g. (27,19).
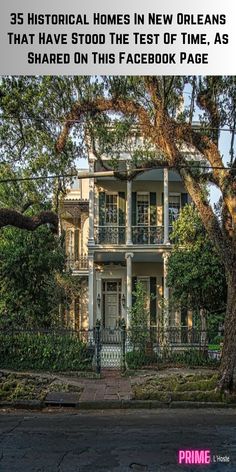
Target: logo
(194,456)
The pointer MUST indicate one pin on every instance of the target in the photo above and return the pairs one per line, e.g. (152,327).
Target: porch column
(166,206)
(165,256)
(91,205)
(129,213)
(128,257)
(91,289)
(98,300)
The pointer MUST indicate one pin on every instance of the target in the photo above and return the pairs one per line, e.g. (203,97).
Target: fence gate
(110,347)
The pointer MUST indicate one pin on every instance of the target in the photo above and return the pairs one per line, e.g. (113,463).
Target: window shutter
(134,216)
(153,209)
(153,301)
(134,282)
(184,199)
(102,208)
(121,217)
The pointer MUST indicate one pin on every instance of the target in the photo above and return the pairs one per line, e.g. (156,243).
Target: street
(119,441)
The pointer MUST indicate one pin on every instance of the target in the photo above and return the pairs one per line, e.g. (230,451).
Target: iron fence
(96,348)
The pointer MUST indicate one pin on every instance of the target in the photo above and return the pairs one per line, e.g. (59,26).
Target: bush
(137,359)
(138,333)
(44,352)
(190,358)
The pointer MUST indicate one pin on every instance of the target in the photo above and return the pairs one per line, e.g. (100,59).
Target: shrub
(190,358)
(44,352)
(139,319)
(137,359)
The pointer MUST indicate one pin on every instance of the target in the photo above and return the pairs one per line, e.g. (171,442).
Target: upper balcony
(136,212)
(116,235)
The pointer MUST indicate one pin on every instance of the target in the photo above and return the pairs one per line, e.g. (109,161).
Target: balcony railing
(79,263)
(147,234)
(116,235)
(109,234)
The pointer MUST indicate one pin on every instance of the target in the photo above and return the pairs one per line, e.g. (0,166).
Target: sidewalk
(111,386)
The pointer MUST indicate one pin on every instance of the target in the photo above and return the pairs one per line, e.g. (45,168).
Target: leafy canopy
(196,274)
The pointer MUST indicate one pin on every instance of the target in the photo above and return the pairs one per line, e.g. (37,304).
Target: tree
(31,114)
(196,274)
(152,104)
(30,293)
(63,112)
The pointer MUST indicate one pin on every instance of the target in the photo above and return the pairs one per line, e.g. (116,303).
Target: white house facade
(117,233)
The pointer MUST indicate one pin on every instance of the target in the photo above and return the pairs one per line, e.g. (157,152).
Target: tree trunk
(228,358)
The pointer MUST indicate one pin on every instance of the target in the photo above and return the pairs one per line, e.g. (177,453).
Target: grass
(176,387)
(17,386)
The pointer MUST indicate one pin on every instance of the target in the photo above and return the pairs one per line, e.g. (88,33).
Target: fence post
(123,342)
(98,346)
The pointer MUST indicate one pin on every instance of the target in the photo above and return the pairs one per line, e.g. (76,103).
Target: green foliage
(139,319)
(37,351)
(195,273)
(29,291)
(189,358)
(138,359)
(179,387)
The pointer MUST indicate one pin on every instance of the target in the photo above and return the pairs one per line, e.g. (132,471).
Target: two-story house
(117,233)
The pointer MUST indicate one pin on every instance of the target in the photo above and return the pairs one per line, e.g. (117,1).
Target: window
(111,206)
(174,208)
(142,209)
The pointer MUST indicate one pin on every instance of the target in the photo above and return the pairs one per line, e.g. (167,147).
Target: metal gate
(110,347)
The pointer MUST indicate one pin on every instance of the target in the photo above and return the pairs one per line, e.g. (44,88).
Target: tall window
(174,208)
(142,209)
(111,213)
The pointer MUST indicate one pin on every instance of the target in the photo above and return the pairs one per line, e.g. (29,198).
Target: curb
(113,404)
(24,404)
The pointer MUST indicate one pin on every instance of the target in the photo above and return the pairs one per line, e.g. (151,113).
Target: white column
(165,256)
(91,289)
(91,205)
(129,213)
(99,293)
(128,257)
(166,206)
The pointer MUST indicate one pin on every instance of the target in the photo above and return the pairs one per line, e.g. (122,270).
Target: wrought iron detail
(147,234)
(109,234)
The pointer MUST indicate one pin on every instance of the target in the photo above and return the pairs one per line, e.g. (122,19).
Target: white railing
(79,263)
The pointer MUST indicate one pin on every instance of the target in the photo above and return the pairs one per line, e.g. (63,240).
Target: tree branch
(10,217)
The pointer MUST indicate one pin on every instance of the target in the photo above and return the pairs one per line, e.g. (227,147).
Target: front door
(111,303)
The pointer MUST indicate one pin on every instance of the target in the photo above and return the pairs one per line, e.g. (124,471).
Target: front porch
(111,285)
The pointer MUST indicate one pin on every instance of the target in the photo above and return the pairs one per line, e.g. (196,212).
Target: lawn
(180,387)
